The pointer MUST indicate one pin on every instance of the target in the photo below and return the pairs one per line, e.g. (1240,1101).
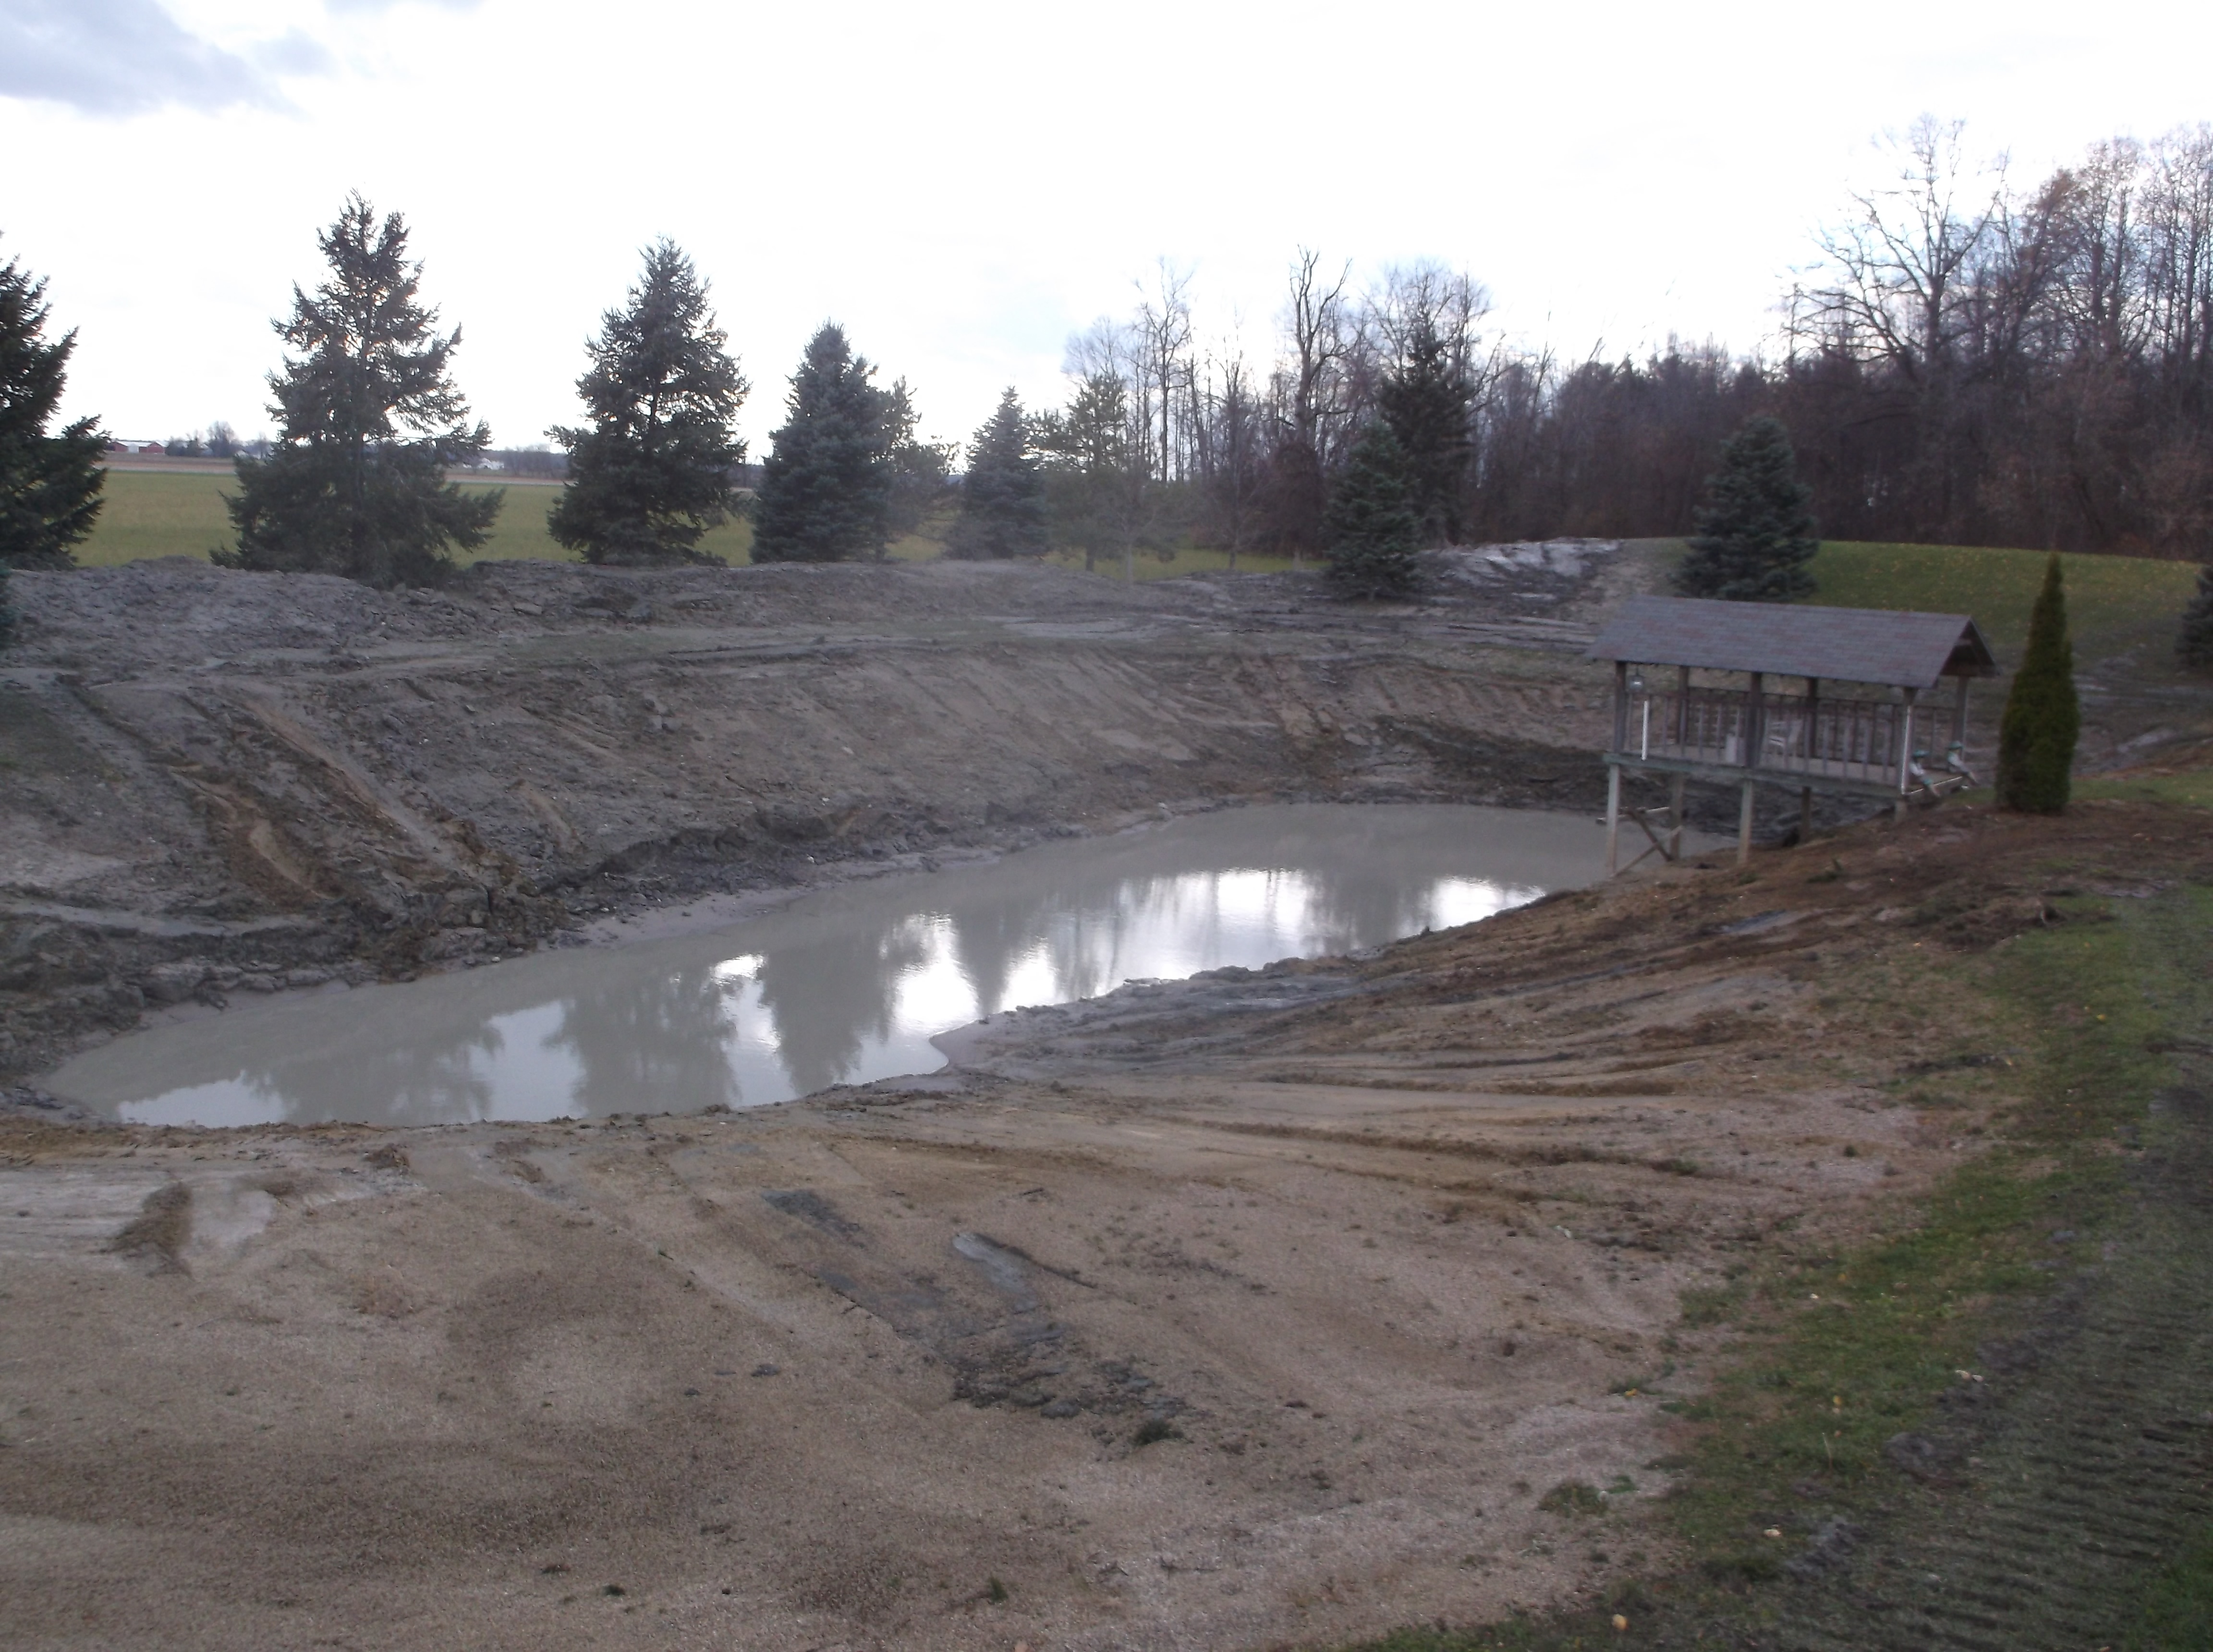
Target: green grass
(157,513)
(167,514)
(2178,1615)
(1821,1385)
(2193,788)
(2114,604)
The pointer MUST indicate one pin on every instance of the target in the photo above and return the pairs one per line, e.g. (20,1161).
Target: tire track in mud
(2080,1467)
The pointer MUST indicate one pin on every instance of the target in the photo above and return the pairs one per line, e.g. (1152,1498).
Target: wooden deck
(1735,735)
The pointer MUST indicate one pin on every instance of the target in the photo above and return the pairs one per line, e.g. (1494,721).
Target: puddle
(844,985)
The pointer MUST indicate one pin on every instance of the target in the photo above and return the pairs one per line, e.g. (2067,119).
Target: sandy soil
(1372,1247)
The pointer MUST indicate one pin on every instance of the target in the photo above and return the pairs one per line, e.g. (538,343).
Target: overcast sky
(963,185)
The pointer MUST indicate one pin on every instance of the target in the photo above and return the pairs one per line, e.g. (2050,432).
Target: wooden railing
(1837,738)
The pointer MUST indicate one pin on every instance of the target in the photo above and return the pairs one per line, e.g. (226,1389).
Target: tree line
(1966,362)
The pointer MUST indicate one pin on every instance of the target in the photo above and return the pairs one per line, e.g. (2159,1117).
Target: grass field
(158,514)
(2115,604)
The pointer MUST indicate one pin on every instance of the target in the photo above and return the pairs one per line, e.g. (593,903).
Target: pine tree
(2036,737)
(368,419)
(1095,480)
(1756,535)
(2195,645)
(921,471)
(825,489)
(50,485)
(1369,530)
(1003,495)
(1424,400)
(652,474)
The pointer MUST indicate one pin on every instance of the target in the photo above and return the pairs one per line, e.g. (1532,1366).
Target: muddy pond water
(841,985)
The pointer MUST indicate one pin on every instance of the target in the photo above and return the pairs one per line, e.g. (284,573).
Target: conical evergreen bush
(2036,739)
(825,488)
(1369,529)
(1003,495)
(2195,645)
(650,474)
(1756,532)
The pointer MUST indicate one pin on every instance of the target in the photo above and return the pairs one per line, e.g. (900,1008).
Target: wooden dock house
(1831,700)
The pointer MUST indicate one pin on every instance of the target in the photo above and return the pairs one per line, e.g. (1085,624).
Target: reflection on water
(843,986)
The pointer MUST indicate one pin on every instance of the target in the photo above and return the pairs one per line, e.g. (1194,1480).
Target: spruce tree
(1003,495)
(2195,645)
(1424,400)
(2036,737)
(367,418)
(50,485)
(1756,534)
(825,489)
(921,471)
(1097,500)
(652,473)
(1369,530)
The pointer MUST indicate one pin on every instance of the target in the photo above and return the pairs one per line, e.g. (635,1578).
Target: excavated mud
(220,782)
(1276,1307)
(1267,1308)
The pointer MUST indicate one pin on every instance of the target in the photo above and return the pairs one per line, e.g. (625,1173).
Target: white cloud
(963,184)
(119,57)
(295,51)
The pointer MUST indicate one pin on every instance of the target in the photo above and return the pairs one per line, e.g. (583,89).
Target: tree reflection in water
(653,1041)
(828,998)
(843,984)
(440,1080)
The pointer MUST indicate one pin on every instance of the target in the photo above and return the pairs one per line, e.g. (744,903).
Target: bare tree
(1163,331)
(1318,327)
(1231,470)
(1898,263)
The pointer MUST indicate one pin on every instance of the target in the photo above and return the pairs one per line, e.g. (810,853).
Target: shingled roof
(1895,649)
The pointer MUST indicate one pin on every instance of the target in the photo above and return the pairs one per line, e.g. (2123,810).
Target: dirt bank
(220,782)
(1270,1308)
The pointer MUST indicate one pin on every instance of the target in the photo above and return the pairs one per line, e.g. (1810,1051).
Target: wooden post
(1682,705)
(1905,751)
(1755,724)
(1960,721)
(1675,817)
(1744,826)
(1813,754)
(1805,815)
(1620,705)
(1613,818)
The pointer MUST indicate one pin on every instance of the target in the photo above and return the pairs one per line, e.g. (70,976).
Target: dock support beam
(1744,826)
(1805,815)
(1613,818)
(1675,817)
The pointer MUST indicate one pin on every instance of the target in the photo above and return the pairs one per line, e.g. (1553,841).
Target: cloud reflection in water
(844,985)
